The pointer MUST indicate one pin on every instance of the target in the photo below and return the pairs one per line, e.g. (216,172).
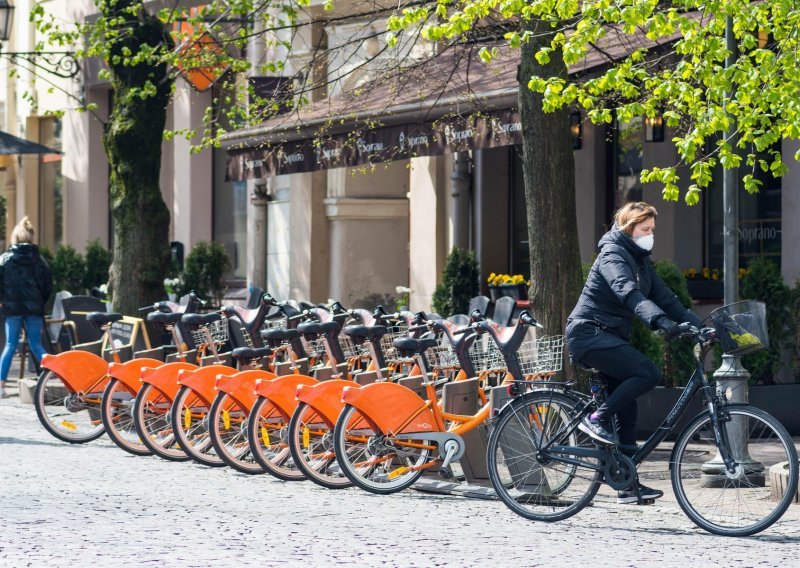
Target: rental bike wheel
(267,433)
(541,487)
(227,428)
(311,444)
(116,410)
(374,462)
(189,416)
(151,415)
(747,500)
(73,418)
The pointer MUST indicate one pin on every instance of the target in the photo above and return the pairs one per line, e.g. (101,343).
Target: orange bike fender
(282,392)
(325,398)
(390,406)
(165,377)
(241,386)
(80,370)
(203,380)
(130,372)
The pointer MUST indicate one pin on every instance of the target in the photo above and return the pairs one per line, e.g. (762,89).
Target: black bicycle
(723,464)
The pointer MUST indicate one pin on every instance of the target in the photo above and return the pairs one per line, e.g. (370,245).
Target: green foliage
(459,283)
(69,270)
(204,269)
(691,88)
(764,282)
(98,261)
(675,359)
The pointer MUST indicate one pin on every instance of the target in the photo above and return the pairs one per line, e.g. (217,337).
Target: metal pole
(730,195)
(732,376)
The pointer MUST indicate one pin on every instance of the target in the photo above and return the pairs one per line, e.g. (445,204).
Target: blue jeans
(33,329)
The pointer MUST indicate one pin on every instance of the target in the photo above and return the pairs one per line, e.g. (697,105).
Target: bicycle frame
(697,382)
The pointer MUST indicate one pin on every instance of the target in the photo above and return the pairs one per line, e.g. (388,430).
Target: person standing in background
(25,286)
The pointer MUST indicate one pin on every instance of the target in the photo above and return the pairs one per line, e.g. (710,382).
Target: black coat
(622,284)
(25,281)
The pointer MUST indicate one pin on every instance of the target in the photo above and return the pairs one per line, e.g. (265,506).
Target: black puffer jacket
(25,281)
(622,284)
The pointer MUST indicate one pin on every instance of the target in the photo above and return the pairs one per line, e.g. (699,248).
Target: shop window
(518,236)
(628,146)
(759,219)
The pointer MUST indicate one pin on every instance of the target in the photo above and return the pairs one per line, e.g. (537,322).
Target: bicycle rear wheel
(744,502)
(189,416)
(117,412)
(227,427)
(311,444)
(267,433)
(540,487)
(73,418)
(152,419)
(374,462)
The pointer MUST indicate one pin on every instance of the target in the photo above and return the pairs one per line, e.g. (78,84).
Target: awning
(10,144)
(364,146)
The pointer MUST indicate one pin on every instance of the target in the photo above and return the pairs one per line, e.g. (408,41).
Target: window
(628,150)
(759,219)
(51,203)
(520,248)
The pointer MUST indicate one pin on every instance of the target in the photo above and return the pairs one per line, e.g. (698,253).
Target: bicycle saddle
(320,328)
(165,318)
(408,346)
(249,353)
(201,319)
(247,316)
(366,331)
(279,335)
(101,318)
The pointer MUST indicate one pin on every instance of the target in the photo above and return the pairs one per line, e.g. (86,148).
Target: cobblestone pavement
(94,505)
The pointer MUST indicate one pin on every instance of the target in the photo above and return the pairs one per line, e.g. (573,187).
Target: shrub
(204,270)
(459,283)
(69,270)
(764,282)
(98,261)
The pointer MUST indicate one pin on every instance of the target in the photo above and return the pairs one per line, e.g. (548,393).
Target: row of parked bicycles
(352,397)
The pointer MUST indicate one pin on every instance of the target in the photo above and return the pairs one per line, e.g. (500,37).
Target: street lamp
(6,15)
(60,63)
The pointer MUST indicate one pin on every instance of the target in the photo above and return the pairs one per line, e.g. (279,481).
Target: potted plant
(514,286)
(704,284)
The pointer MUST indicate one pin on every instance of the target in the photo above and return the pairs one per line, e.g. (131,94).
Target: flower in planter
(507,279)
(401,302)
(707,273)
(172,284)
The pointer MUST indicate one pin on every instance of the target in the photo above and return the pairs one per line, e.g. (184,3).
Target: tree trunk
(132,141)
(549,175)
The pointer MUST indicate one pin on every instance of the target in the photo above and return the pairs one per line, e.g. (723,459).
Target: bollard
(732,380)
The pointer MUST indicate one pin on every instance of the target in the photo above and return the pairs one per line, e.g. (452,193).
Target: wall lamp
(576,129)
(654,128)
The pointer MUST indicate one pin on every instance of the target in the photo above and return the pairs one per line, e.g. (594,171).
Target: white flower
(402,290)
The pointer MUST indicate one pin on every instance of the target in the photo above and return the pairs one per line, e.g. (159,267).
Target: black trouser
(630,375)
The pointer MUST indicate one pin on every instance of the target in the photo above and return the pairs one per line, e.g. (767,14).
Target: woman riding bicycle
(623,284)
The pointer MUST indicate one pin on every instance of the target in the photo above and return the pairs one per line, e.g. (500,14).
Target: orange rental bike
(387,435)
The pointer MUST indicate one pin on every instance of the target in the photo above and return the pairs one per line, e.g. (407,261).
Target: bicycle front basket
(741,327)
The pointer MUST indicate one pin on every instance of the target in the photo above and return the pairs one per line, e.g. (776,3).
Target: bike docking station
(461,397)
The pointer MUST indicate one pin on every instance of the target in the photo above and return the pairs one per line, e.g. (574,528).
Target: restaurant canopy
(449,102)
(10,144)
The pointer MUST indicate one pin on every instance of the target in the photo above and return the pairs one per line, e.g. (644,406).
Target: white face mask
(645,242)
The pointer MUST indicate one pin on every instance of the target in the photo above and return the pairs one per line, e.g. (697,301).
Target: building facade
(355,230)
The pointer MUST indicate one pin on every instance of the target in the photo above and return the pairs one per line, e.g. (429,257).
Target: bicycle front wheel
(541,485)
(73,418)
(117,412)
(189,416)
(745,501)
(311,444)
(374,462)
(227,427)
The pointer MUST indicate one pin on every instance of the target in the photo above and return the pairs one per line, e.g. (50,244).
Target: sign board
(128,332)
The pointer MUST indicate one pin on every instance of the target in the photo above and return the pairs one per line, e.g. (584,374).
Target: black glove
(667,327)
(693,319)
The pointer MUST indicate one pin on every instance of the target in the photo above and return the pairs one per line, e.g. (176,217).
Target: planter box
(705,289)
(779,400)
(515,291)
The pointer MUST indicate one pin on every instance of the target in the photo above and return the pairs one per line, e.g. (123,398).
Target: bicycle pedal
(446,472)
(646,502)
